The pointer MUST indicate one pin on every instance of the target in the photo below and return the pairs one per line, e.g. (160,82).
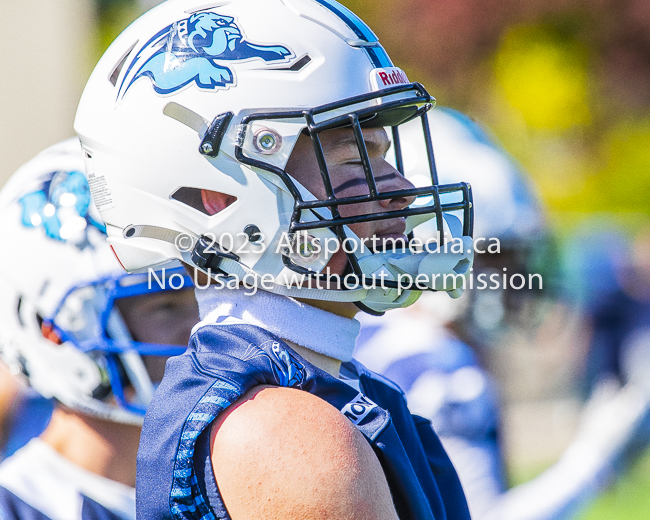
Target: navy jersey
(175,477)
(443,381)
(37,483)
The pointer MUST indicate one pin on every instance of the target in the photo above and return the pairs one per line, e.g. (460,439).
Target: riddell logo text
(397,77)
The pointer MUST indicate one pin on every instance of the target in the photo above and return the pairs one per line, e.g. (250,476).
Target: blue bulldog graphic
(189,50)
(61,207)
(287,370)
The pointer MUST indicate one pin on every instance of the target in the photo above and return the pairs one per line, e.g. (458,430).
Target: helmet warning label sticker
(358,408)
(100,192)
(388,77)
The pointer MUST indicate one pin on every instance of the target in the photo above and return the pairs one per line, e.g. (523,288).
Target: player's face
(164,317)
(349,180)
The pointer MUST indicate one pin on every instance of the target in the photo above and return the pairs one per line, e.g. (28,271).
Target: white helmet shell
(58,280)
(192,98)
(507,206)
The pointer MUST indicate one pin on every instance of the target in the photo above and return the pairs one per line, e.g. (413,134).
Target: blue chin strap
(105,337)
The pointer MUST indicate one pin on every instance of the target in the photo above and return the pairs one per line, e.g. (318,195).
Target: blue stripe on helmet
(379,57)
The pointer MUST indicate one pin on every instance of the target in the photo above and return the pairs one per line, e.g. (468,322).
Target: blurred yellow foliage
(544,78)
(624,180)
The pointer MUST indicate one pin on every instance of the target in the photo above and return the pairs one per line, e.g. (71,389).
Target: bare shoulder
(284,453)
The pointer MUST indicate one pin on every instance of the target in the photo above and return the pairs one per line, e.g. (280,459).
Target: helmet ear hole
(50,334)
(215,201)
(118,68)
(190,197)
(206,201)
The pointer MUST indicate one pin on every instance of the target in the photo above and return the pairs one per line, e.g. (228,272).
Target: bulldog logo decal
(61,207)
(192,51)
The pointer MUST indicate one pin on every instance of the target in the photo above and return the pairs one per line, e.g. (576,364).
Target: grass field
(627,499)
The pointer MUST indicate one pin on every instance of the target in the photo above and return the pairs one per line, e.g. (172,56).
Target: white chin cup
(444,269)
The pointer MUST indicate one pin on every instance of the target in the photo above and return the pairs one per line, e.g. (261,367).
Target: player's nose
(391,180)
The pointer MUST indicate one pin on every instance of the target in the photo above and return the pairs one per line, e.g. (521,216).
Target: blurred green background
(564,85)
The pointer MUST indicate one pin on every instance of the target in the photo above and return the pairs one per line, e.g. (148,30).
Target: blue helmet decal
(187,52)
(61,208)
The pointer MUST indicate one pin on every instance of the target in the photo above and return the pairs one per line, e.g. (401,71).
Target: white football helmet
(195,97)
(59,283)
(508,210)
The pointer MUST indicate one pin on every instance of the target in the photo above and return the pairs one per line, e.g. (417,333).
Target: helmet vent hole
(190,197)
(18,312)
(50,334)
(300,64)
(118,68)
(215,202)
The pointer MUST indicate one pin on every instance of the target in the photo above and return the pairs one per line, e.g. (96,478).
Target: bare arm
(284,453)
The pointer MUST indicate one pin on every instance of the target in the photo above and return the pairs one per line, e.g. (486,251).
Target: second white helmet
(64,297)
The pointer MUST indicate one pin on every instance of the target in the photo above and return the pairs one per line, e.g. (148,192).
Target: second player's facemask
(93,319)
